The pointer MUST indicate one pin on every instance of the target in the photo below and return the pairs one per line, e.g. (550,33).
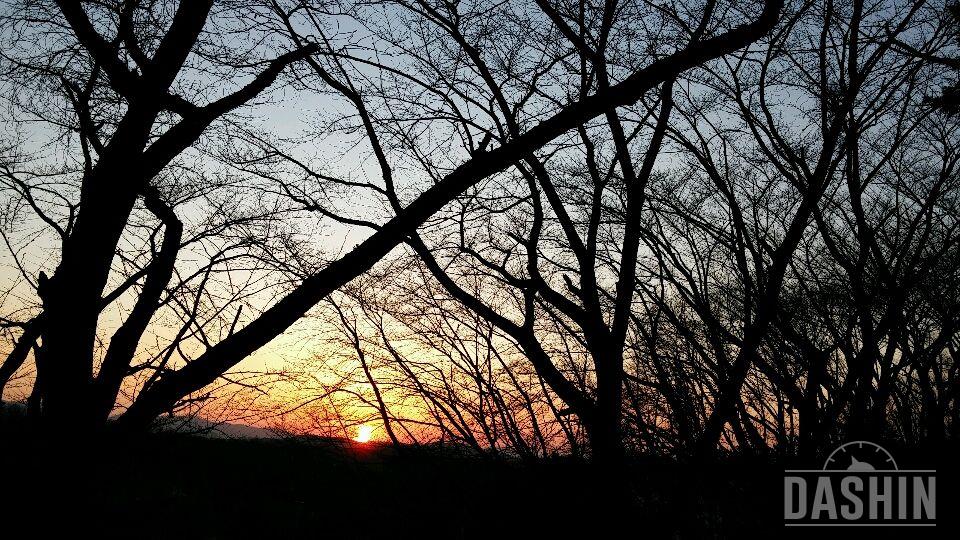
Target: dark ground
(178,486)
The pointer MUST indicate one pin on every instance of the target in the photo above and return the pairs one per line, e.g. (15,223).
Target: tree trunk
(72,298)
(605,428)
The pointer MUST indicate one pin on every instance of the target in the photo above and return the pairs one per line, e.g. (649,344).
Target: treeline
(532,226)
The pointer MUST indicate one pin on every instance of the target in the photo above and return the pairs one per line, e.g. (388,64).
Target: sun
(364,433)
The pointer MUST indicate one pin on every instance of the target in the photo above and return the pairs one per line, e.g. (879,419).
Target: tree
(743,256)
(133,85)
(515,147)
(484,86)
(117,69)
(777,251)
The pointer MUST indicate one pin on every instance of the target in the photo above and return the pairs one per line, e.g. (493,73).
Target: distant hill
(206,428)
(11,411)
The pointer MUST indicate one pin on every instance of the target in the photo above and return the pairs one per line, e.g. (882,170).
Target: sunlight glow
(364,433)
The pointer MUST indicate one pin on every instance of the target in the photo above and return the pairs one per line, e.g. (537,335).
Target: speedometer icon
(860,456)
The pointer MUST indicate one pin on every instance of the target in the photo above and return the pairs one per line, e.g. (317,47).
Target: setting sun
(364,433)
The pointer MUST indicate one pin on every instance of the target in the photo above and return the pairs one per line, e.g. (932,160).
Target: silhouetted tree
(139,84)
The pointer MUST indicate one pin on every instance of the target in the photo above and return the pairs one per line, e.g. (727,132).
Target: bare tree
(116,77)
(779,266)
(331,69)
(810,130)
